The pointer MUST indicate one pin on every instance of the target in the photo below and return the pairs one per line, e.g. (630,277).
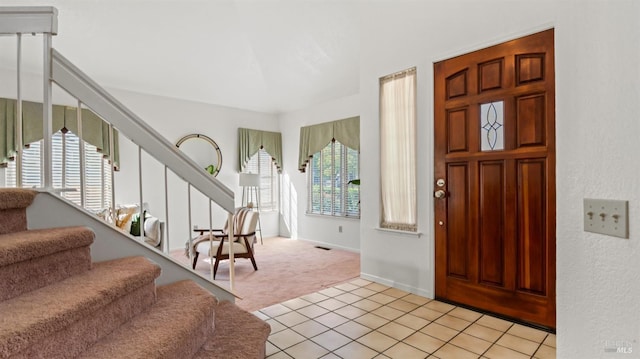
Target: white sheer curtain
(398,151)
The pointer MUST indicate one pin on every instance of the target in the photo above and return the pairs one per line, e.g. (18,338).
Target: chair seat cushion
(203,248)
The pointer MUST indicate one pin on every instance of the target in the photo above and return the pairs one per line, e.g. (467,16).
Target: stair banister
(43,19)
(28,20)
(18,137)
(47,115)
(74,81)
(79,85)
(83,196)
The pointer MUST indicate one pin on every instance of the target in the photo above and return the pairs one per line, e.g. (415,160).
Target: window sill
(331,216)
(396,231)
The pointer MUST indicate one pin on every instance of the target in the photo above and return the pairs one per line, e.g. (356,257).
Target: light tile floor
(362,319)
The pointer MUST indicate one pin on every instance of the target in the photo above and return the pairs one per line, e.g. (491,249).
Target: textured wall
(597,92)
(598,87)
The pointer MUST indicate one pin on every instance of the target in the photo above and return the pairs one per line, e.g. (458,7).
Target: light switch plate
(605,216)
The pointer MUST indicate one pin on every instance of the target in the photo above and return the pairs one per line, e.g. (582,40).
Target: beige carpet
(63,305)
(287,269)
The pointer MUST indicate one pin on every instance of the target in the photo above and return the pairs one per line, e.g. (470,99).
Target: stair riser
(13,220)
(79,336)
(192,342)
(175,327)
(23,277)
(239,334)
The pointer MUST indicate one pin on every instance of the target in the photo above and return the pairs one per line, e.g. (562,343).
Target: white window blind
(329,172)
(262,163)
(66,170)
(30,168)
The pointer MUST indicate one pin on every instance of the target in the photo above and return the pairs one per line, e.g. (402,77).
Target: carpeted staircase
(56,303)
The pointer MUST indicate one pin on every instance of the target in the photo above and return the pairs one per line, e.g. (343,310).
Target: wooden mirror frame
(211,142)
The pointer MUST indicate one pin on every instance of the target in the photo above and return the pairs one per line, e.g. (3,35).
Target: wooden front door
(495,179)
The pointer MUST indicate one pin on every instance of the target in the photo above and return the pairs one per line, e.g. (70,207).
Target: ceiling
(263,55)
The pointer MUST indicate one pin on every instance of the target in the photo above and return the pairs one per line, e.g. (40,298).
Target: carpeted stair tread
(12,198)
(38,313)
(13,209)
(239,335)
(21,246)
(176,326)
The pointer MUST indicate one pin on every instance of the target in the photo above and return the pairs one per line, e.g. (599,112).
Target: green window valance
(250,141)
(94,130)
(316,137)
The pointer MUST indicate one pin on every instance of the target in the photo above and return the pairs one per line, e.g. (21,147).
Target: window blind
(250,141)
(66,170)
(95,131)
(329,173)
(262,164)
(314,138)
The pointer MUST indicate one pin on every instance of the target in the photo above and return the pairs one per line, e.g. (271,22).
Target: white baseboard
(328,245)
(401,286)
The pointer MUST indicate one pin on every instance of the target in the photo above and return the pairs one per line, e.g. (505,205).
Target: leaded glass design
(492,125)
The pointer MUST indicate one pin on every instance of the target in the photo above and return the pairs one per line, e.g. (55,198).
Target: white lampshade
(249,180)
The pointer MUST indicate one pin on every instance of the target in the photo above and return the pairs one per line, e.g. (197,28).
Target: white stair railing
(59,70)
(79,85)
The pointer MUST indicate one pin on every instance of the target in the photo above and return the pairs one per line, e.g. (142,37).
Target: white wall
(598,87)
(174,119)
(397,36)
(597,126)
(298,224)
(597,92)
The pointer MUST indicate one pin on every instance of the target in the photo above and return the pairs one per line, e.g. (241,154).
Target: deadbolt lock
(440,182)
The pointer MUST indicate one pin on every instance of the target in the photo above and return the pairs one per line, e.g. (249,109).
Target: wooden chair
(245,222)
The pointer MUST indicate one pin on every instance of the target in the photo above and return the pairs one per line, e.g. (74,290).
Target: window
(66,170)
(263,164)
(398,151)
(329,173)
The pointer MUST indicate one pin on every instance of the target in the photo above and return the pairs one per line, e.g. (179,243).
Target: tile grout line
(403,312)
(539,346)
(329,329)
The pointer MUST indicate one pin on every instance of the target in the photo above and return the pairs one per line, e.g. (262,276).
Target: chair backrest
(245,221)
(250,222)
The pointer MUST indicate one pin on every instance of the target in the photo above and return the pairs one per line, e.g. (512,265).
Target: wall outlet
(610,217)
(339,229)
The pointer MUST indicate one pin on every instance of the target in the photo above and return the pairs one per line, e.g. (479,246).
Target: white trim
(140,188)
(83,184)
(336,216)
(426,83)
(495,41)
(47,114)
(327,245)
(28,19)
(401,286)
(397,231)
(110,242)
(18,138)
(79,85)
(166,247)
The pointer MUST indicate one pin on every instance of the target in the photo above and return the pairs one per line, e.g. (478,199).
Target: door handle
(440,194)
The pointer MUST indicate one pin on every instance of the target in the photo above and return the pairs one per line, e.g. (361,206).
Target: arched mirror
(202,150)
